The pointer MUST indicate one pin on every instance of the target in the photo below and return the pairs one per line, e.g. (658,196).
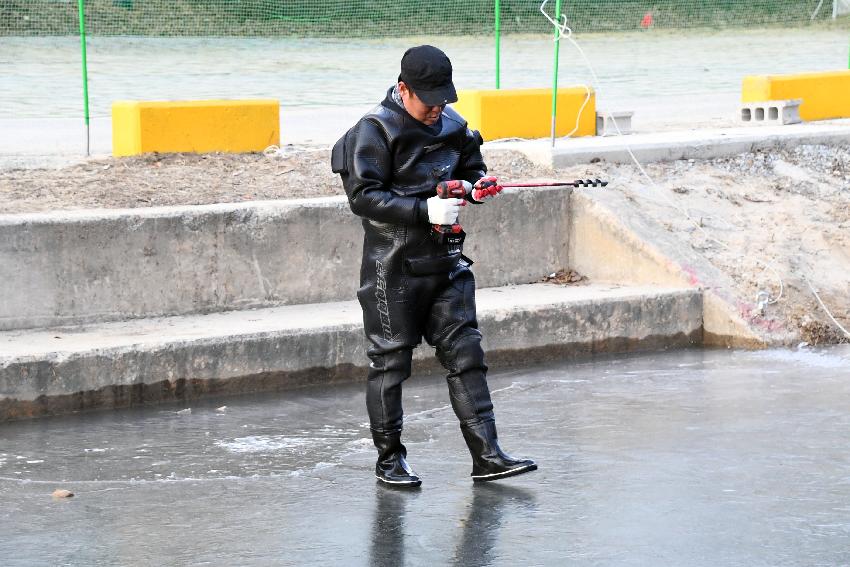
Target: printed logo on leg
(381,296)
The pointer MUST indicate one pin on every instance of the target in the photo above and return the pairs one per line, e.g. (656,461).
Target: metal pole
(82,12)
(555,70)
(498,30)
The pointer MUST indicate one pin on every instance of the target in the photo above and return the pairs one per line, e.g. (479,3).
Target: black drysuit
(410,285)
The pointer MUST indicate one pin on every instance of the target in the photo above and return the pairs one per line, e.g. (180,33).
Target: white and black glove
(444,211)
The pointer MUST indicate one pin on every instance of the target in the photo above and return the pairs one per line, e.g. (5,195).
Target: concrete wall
(80,267)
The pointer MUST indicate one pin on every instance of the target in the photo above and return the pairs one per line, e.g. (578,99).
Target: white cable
(824,307)
(815,13)
(587,95)
(562,28)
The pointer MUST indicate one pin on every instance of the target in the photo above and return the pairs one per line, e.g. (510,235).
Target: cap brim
(436,97)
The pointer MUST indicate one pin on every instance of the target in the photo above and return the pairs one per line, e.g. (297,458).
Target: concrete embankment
(116,308)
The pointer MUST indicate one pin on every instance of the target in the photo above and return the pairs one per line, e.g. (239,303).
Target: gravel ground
(775,222)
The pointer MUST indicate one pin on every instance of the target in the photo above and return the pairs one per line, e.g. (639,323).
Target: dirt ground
(777,222)
(189,179)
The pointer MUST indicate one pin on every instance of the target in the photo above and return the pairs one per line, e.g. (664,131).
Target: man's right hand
(443,211)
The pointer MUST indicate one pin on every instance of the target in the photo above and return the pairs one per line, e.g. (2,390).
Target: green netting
(384,18)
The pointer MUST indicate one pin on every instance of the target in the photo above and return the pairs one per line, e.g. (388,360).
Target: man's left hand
(485,188)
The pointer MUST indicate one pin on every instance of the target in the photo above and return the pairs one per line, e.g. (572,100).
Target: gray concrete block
(613,123)
(771,112)
(69,268)
(150,360)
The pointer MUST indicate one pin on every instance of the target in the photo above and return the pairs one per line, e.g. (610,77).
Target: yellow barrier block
(527,113)
(824,95)
(197,126)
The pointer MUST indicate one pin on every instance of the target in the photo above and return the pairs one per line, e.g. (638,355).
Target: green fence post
(555,71)
(82,12)
(498,26)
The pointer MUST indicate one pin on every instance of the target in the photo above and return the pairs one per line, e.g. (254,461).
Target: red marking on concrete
(692,275)
(749,313)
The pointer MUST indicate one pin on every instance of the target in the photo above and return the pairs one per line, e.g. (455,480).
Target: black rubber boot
(392,468)
(489,462)
(470,397)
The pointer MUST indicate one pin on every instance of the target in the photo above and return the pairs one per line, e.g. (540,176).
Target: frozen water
(677,458)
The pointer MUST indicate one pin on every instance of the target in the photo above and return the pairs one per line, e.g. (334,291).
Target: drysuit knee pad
(397,362)
(463,354)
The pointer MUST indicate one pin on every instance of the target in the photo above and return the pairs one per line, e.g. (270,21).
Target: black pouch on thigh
(430,266)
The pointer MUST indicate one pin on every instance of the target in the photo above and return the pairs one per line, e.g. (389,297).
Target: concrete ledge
(81,267)
(527,113)
(672,146)
(200,126)
(824,95)
(122,364)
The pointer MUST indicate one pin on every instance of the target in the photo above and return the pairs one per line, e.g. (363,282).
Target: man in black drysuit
(412,284)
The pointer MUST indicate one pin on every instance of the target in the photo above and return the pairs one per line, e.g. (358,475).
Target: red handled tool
(451,234)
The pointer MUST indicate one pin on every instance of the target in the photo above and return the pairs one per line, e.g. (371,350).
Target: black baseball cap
(428,72)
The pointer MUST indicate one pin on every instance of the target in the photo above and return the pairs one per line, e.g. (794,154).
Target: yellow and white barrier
(198,126)
(527,113)
(824,95)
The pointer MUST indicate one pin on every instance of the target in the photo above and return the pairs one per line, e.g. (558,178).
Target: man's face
(424,113)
